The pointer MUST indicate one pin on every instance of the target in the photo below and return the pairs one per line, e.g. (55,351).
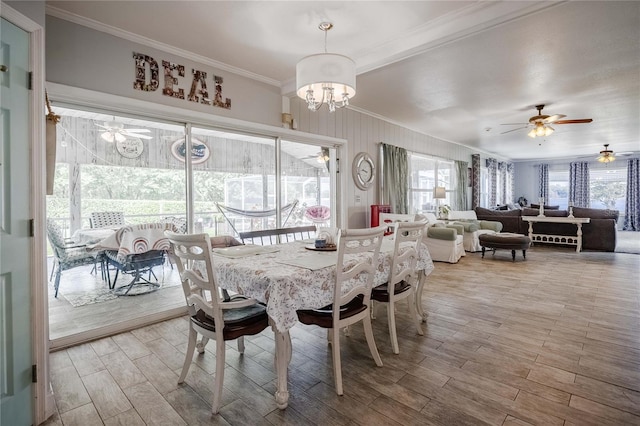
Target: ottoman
(507,241)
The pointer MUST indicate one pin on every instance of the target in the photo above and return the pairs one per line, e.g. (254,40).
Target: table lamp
(439,193)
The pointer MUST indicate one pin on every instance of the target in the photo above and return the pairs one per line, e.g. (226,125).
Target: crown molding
(108,29)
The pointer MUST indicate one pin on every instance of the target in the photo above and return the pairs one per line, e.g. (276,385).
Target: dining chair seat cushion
(237,322)
(381,293)
(323,317)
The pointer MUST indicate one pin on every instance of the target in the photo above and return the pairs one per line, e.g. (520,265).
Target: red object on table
(376,209)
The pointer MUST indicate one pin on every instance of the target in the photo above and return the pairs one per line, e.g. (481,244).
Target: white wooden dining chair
(211,316)
(403,278)
(351,293)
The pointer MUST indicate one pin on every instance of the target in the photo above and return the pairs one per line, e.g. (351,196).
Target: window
(608,188)
(559,189)
(425,174)
(484,187)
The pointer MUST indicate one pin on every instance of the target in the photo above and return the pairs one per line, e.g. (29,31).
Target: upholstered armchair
(473,228)
(445,242)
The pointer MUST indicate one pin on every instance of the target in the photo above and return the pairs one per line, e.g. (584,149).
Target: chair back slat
(190,252)
(358,252)
(407,237)
(278,235)
(106,219)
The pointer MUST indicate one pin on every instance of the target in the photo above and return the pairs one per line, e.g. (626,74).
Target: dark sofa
(599,234)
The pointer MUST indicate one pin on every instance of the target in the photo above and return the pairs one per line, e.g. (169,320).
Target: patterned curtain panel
(395,178)
(475,181)
(492,166)
(543,182)
(579,192)
(462,173)
(510,183)
(502,197)
(632,210)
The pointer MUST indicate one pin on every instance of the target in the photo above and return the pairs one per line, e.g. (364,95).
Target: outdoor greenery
(608,192)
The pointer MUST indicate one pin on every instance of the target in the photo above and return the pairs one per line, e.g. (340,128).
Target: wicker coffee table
(506,241)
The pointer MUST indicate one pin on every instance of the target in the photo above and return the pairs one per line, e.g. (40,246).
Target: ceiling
(454,70)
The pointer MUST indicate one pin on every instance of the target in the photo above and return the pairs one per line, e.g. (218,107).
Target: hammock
(287,209)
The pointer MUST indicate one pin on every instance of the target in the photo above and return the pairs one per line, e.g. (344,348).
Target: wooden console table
(557,239)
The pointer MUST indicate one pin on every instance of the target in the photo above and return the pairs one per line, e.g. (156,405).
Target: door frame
(44,404)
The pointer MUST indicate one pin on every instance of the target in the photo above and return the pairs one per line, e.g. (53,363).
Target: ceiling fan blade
(135,135)
(578,121)
(513,130)
(514,124)
(554,118)
(137,130)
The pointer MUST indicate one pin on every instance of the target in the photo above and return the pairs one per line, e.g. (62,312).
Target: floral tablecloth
(286,288)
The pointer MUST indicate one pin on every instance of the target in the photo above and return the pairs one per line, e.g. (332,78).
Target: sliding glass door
(150,171)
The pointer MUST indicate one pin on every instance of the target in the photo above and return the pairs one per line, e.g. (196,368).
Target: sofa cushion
(491,225)
(439,233)
(546,207)
(462,214)
(550,213)
(482,212)
(596,213)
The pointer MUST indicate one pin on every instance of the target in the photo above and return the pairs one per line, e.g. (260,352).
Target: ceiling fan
(540,124)
(115,132)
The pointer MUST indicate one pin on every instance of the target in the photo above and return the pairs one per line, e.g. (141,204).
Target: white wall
(81,57)
(365,133)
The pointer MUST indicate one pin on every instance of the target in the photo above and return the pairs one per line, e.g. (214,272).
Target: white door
(15,229)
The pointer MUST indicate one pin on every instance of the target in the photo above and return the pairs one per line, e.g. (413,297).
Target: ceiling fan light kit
(331,74)
(606,155)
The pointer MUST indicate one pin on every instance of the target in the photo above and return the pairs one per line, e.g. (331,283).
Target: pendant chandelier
(606,155)
(326,78)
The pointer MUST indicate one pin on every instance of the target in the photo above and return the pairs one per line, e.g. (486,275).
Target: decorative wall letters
(199,79)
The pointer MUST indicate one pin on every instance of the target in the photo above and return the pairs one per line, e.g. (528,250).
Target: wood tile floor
(552,340)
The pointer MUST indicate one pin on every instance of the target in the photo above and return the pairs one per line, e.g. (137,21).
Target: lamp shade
(439,192)
(326,70)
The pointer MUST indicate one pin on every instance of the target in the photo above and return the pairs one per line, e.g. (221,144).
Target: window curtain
(510,183)
(492,167)
(475,181)
(395,178)
(632,209)
(502,196)
(579,192)
(462,182)
(543,182)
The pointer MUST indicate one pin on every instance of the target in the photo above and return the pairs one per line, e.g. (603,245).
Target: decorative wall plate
(199,150)
(130,147)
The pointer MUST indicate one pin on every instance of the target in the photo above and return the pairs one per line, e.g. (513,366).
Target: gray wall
(81,57)
(34,10)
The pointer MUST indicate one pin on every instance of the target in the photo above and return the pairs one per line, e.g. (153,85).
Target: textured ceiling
(453,70)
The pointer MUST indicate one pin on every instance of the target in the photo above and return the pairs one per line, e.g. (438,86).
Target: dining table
(292,276)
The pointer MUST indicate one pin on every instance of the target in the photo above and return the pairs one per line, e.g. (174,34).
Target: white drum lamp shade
(326,70)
